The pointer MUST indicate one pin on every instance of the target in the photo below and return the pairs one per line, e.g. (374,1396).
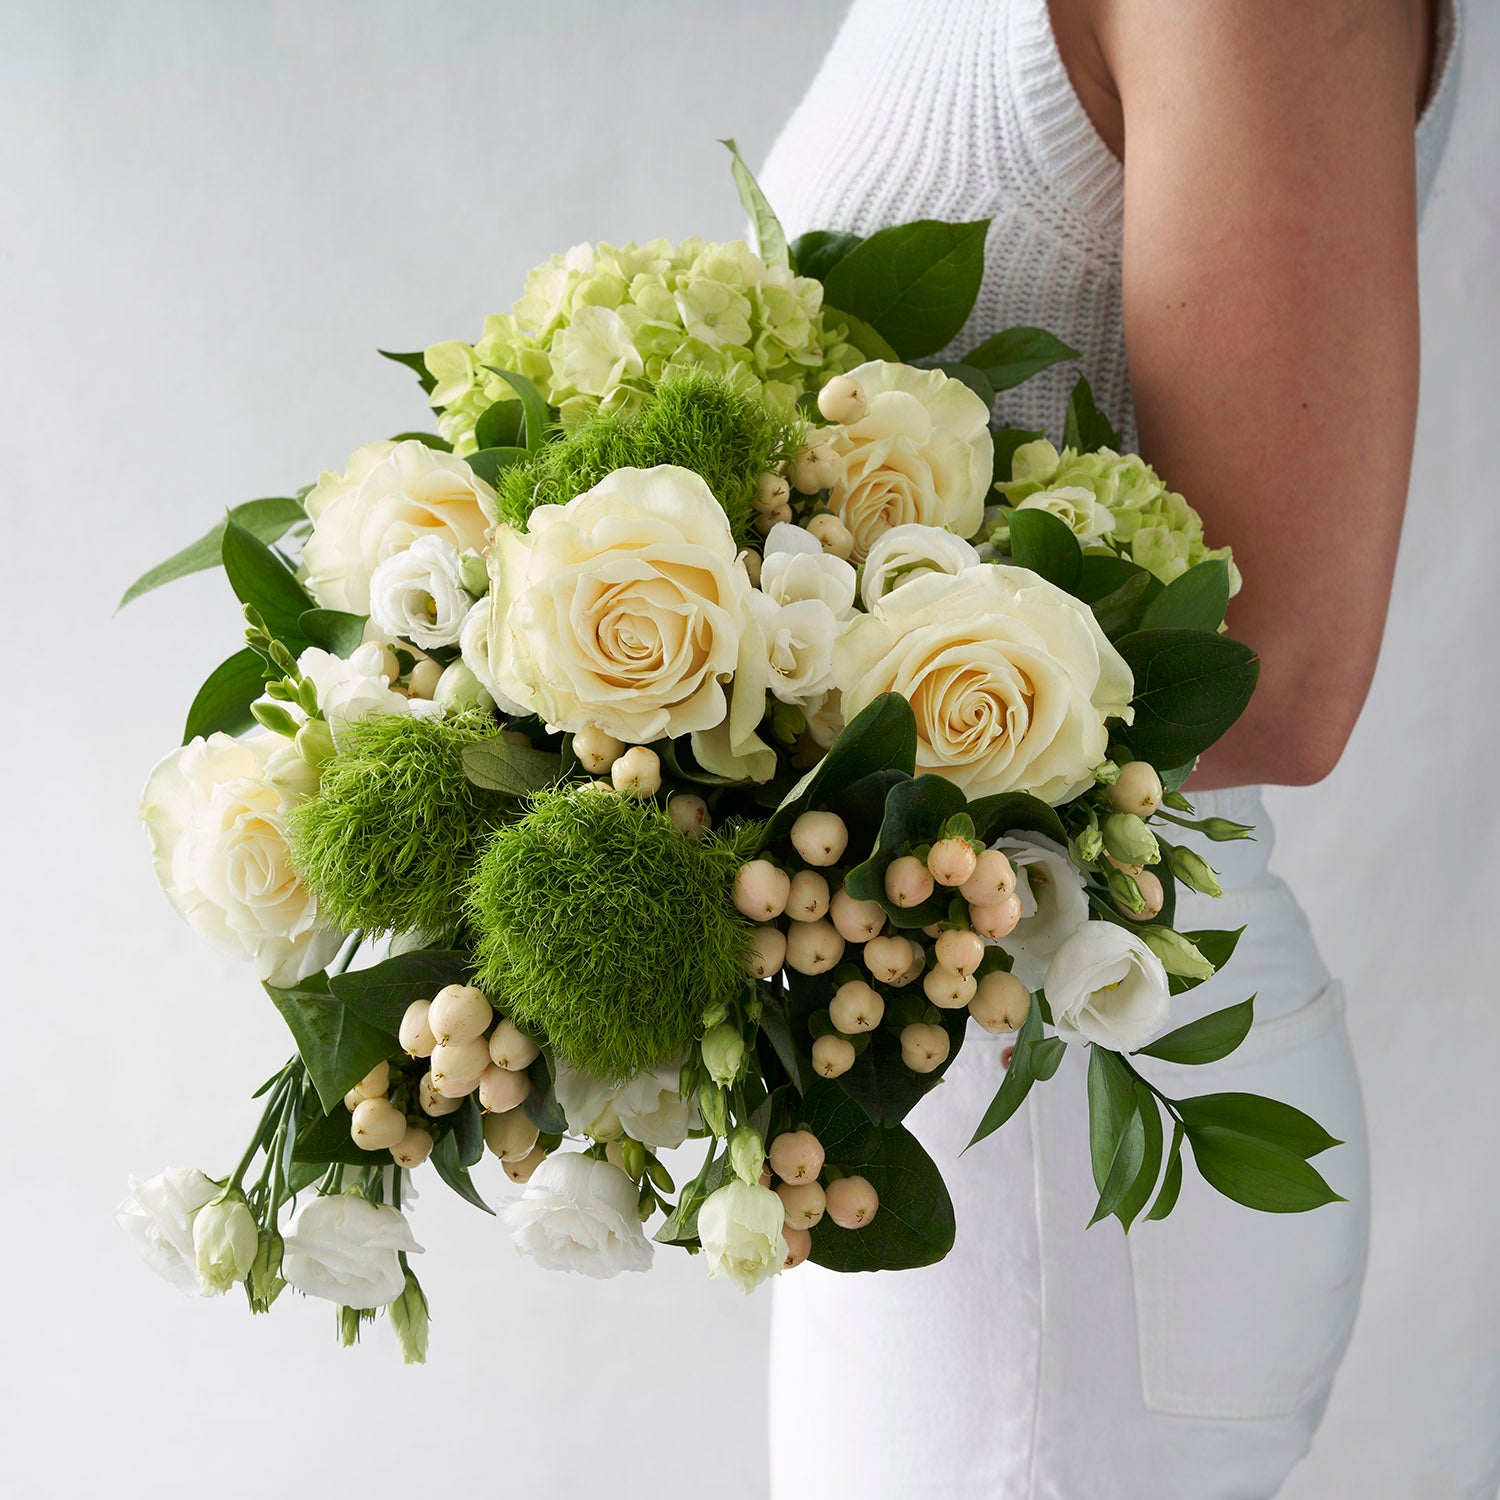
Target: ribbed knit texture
(961,110)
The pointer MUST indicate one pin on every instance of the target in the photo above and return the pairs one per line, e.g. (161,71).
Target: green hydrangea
(1151,525)
(602,324)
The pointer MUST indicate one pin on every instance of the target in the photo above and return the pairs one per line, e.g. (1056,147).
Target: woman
(1254,251)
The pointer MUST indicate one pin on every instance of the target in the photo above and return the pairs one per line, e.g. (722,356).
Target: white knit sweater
(961,110)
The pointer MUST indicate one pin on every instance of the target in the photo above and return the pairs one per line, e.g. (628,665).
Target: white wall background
(210,215)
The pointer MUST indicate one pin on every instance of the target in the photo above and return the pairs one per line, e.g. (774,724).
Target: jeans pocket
(1242,1314)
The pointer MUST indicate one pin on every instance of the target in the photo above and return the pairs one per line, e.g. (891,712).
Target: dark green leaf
(334,630)
(497,765)
(325,1138)
(1190,686)
(1215,945)
(413,361)
(488,463)
(1195,600)
(337,1047)
(1039,541)
(915,812)
(1006,812)
(223,702)
(1046,1056)
(776,1025)
(681,1225)
(770,239)
(1257,1173)
(860,334)
(380,995)
(1103,573)
(468,1130)
(1111,1094)
(1171,1183)
(1120,612)
(500,425)
(1124,1166)
(447,1157)
(915,284)
(1086,427)
(1007,440)
(1270,1120)
(976,380)
(1014,355)
(427,439)
(1139,1193)
(541,1105)
(1208,1038)
(880,1082)
(1017,1082)
(261,579)
(269,520)
(818,251)
(537,417)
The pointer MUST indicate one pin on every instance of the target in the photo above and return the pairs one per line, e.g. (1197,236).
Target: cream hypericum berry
(796,1156)
(416,1035)
(637,772)
(804,1203)
(950,862)
(1152,894)
(456,1066)
(1137,789)
(767,952)
(376,1124)
(924,1046)
(907,881)
(809,897)
(510,1047)
(947,990)
(813,947)
(772,493)
(689,814)
(798,1246)
(996,921)
(888,958)
(1001,1002)
(815,469)
(501,1090)
(959,950)
(596,750)
(857,921)
(856,1007)
(521,1168)
(832,1056)
(414,1147)
(993,879)
(843,400)
(460,1013)
(510,1135)
(376,1084)
(820,837)
(761,890)
(433,1103)
(851,1202)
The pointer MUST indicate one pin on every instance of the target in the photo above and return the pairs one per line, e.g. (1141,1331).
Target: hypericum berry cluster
(1129,846)
(796,1158)
(469,1050)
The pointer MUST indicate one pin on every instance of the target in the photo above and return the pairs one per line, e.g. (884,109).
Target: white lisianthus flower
(419,594)
(474,647)
(649,1107)
(587,1102)
(225,1238)
(740,1227)
(1054,902)
(579,1214)
(1107,987)
(345,1249)
(1010,678)
(905,553)
(629,609)
(921,453)
(1077,508)
(804,596)
(389,495)
(158,1216)
(218,843)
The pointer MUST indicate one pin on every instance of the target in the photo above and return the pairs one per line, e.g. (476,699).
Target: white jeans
(1042,1361)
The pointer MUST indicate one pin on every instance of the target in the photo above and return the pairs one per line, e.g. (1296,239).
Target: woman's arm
(1270,281)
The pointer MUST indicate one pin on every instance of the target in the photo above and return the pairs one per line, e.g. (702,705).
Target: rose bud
(852,1202)
(1001,1002)
(796,1156)
(907,882)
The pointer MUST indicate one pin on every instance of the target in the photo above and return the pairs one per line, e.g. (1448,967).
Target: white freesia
(1077,508)
(799,647)
(474,647)
(389,495)
(1009,677)
(921,453)
(354,688)
(794,569)
(579,1214)
(740,1228)
(218,844)
(419,594)
(628,608)
(158,1215)
(1054,902)
(649,1107)
(905,553)
(1107,987)
(345,1249)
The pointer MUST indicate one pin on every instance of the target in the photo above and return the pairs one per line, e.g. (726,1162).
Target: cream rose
(1107,987)
(1009,677)
(388,496)
(921,453)
(628,608)
(218,843)
(905,553)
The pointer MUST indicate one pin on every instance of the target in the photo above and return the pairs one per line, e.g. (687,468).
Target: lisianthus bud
(996,921)
(761,890)
(820,837)
(1152,897)
(889,957)
(1089,845)
(521,1168)
(1137,789)
(959,950)
(798,1246)
(1178,955)
(747,1154)
(460,1013)
(413,1148)
(510,1047)
(1129,840)
(315,742)
(852,1202)
(804,1203)
(797,1156)
(689,814)
(832,1056)
(713,1106)
(950,862)
(1221,829)
(843,400)
(809,898)
(416,1035)
(1193,870)
(813,947)
(375,1084)
(637,773)
(924,1047)
(500,1089)
(1001,1003)
(907,882)
(376,1125)
(510,1135)
(857,921)
(815,469)
(856,1007)
(424,678)
(434,1104)
(459,690)
(947,990)
(993,879)
(767,952)
(723,1051)
(225,1241)
(772,492)
(596,751)
(832,535)
(409,1320)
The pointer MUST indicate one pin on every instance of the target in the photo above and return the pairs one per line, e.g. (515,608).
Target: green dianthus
(696,421)
(388,842)
(601,924)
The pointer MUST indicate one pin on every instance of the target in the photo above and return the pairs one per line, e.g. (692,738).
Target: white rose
(628,608)
(158,1216)
(419,594)
(218,843)
(648,1107)
(1054,902)
(1010,679)
(345,1249)
(1077,508)
(907,552)
(388,496)
(1107,987)
(474,647)
(740,1228)
(579,1214)
(921,453)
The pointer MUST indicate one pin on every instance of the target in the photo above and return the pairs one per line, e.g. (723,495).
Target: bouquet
(686,742)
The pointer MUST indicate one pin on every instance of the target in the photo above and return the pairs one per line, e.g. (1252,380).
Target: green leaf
(860,334)
(1195,600)
(413,361)
(915,812)
(770,238)
(1086,427)
(1017,1082)
(1215,945)
(222,704)
(537,416)
(427,439)
(1039,541)
(261,579)
(1190,686)
(488,463)
(1171,1183)
(380,995)
(468,1130)
(681,1225)
(1014,355)
(541,1105)
(914,1226)
(1257,1173)
(1046,1056)
(976,380)
(1006,812)
(325,1138)
(1103,573)
(497,765)
(776,1027)
(447,1157)
(1282,1125)
(1111,1092)
(1139,1192)
(500,424)
(818,251)
(1123,1168)
(337,1047)
(915,284)
(268,519)
(1007,440)
(1208,1038)
(334,630)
